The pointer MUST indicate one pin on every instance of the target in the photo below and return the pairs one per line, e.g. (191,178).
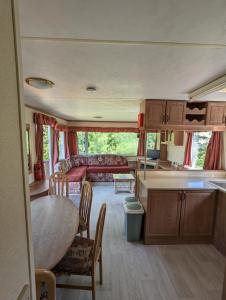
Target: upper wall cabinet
(154,113)
(175,112)
(162,112)
(216,113)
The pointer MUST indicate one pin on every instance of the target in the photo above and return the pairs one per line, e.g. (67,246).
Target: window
(122,143)
(61,145)
(200,142)
(153,140)
(47,149)
(28,148)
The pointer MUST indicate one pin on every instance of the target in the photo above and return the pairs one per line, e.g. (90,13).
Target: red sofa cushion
(76,173)
(108,169)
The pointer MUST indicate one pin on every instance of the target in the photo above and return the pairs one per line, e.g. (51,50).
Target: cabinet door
(155,113)
(220,225)
(163,213)
(216,113)
(197,213)
(175,112)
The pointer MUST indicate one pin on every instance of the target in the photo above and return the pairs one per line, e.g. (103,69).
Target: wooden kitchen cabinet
(216,113)
(220,226)
(162,112)
(197,213)
(163,213)
(175,112)
(178,216)
(154,113)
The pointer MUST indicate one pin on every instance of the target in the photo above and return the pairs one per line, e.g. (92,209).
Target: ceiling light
(39,83)
(91,88)
(97,117)
(214,86)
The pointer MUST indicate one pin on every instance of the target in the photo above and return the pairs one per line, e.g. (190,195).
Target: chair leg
(101,269)
(93,287)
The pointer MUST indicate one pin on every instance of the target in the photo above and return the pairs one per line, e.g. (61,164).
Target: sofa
(94,168)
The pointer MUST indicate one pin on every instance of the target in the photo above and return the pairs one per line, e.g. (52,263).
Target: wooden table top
(55,221)
(39,188)
(123,177)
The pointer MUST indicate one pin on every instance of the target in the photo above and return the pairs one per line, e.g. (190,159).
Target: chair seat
(78,258)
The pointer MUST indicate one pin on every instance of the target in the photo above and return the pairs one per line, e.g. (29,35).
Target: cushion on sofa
(77,173)
(63,165)
(108,169)
(106,160)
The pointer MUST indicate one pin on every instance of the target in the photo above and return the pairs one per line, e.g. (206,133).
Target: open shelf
(196,113)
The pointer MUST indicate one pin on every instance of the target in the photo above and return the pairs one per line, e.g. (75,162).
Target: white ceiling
(130,50)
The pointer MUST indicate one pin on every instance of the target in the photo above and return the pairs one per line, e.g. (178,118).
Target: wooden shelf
(194,122)
(195,111)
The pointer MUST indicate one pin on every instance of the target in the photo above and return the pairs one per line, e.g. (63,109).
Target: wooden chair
(83,256)
(58,184)
(85,208)
(45,276)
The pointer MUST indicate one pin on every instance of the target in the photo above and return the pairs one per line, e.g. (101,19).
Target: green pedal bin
(133,220)
(130,199)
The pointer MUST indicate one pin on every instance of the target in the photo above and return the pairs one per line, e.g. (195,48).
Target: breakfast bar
(183,206)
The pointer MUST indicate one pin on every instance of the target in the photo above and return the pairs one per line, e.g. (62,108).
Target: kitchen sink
(221,184)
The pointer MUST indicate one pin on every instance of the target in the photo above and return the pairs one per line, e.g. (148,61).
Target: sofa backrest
(79,160)
(107,160)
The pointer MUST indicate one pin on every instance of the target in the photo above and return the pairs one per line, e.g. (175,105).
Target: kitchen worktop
(182,180)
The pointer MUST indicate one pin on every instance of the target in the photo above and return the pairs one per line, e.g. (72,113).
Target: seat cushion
(78,259)
(108,169)
(76,174)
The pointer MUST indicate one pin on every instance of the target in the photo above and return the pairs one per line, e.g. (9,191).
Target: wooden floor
(134,271)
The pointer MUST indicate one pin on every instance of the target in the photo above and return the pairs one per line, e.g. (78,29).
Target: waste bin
(133,220)
(130,199)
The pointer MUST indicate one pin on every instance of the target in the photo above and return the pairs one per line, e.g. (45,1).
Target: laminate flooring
(133,271)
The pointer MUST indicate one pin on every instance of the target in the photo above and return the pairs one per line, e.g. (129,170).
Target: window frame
(28,148)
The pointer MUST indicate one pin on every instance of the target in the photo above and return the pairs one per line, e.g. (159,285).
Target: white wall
(16,261)
(176,153)
(29,120)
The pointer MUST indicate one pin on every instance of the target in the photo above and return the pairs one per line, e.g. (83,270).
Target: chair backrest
(58,184)
(99,234)
(86,201)
(42,275)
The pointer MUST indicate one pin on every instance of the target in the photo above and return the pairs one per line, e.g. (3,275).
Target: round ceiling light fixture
(91,88)
(39,83)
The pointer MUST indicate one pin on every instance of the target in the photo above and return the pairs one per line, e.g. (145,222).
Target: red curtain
(44,120)
(141,144)
(39,150)
(214,151)
(187,154)
(55,146)
(72,143)
(104,129)
(66,147)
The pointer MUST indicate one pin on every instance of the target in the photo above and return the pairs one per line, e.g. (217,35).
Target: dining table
(54,221)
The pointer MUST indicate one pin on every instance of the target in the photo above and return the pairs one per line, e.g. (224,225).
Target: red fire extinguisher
(38,173)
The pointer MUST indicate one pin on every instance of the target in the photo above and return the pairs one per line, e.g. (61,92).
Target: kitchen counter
(183,180)
(168,183)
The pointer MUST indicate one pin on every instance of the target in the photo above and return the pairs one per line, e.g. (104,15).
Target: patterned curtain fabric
(213,157)
(187,154)
(103,129)
(141,144)
(55,146)
(41,119)
(72,143)
(39,148)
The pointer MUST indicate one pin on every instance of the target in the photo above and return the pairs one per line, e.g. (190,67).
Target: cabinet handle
(163,118)
(184,196)
(167,118)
